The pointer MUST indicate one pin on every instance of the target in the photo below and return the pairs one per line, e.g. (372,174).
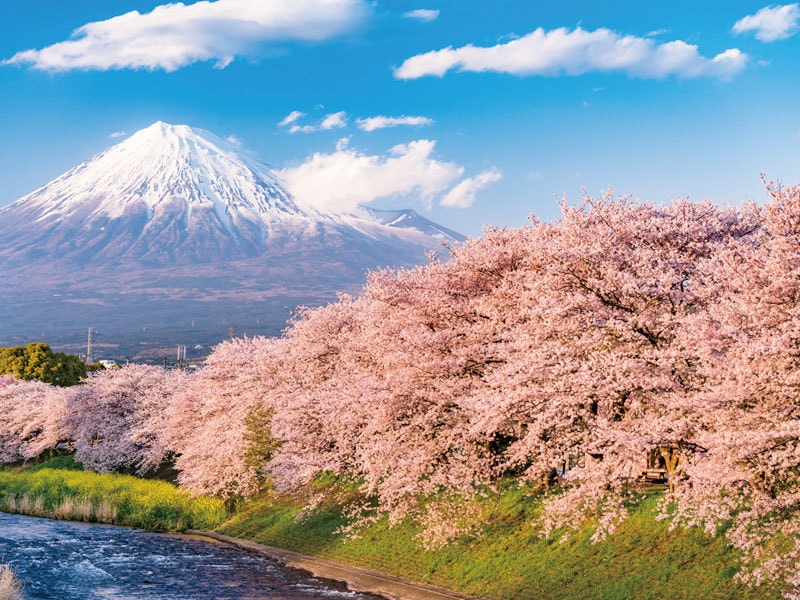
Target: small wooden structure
(655,467)
(664,462)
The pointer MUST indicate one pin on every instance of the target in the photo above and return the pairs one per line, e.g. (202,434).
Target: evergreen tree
(37,361)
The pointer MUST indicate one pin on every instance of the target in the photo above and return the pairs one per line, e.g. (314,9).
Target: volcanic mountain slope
(170,195)
(178,214)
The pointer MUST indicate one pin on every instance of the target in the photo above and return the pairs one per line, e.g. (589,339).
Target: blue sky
(471,112)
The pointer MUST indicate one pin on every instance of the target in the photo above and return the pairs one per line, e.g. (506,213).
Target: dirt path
(359,580)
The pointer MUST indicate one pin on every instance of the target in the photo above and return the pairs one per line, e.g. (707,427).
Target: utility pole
(89,357)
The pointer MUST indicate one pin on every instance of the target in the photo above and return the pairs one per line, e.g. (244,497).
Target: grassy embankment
(642,560)
(59,488)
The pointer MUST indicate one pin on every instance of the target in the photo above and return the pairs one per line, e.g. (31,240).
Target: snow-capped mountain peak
(157,164)
(175,226)
(171,194)
(410,219)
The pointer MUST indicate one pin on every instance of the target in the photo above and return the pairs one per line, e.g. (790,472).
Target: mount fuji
(177,230)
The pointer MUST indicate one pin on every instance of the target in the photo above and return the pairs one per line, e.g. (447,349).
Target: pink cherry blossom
(116,419)
(31,418)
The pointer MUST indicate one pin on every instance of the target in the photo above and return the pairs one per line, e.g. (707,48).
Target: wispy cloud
(341,180)
(335,120)
(291,118)
(771,23)
(575,52)
(382,122)
(175,35)
(463,195)
(118,134)
(422,14)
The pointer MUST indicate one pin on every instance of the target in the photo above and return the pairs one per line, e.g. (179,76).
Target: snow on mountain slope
(410,219)
(171,236)
(173,195)
(161,162)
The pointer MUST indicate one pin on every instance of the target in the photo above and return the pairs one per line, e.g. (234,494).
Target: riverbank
(642,560)
(507,561)
(358,580)
(60,489)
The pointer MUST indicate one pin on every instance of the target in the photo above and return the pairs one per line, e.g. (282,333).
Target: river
(78,561)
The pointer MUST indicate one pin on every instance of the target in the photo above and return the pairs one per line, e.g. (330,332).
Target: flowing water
(78,561)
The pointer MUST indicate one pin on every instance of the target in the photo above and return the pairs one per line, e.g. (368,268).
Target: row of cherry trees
(556,354)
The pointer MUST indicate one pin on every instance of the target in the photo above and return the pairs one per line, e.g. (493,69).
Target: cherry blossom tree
(116,418)
(218,424)
(621,278)
(528,347)
(31,415)
(747,340)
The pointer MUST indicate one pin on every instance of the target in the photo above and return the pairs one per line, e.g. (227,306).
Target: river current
(78,561)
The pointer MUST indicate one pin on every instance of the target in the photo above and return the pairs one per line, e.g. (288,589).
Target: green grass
(642,560)
(59,488)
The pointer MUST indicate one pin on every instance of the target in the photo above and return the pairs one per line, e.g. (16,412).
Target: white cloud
(303,129)
(343,143)
(381,122)
(340,181)
(463,194)
(422,14)
(574,52)
(334,121)
(174,35)
(771,22)
(331,121)
(234,141)
(291,118)
(118,134)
